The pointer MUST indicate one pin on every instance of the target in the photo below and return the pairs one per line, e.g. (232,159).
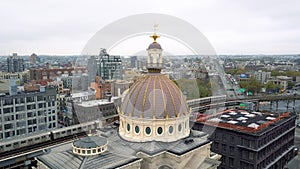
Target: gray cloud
(63,27)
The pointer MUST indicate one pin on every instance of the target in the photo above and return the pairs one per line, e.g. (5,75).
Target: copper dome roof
(154,96)
(154,45)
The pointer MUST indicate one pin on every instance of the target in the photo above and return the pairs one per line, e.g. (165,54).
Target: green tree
(290,85)
(235,71)
(251,85)
(270,86)
(285,73)
(195,88)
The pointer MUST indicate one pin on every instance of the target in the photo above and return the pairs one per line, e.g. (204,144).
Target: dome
(154,96)
(154,108)
(90,142)
(154,45)
(90,145)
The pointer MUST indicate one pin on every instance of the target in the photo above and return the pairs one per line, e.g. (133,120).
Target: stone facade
(165,130)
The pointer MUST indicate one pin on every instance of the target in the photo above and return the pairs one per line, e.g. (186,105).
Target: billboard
(243,75)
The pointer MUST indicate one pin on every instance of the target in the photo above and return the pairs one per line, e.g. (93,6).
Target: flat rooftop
(92,103)
(81,94)
(243,120)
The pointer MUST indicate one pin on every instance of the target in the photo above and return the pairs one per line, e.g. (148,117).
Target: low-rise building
(281,81)
(103,110)
(250,139)
(262,76)
(75,82)
(23,76)
(51,74)
(70,100)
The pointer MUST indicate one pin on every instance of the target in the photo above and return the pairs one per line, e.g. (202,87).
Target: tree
(285,73)
(271,87)
(195,88)
(251,85)
(290,85)
(235,71)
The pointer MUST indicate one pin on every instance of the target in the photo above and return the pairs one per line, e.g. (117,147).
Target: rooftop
(92,103)
(66,159)
(90,142)
(81,94)
(242,120)
(120,152)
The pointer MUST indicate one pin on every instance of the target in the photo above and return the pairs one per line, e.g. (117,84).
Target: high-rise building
(33,58)
(109,66)
(248,139)
(15,63)
(92,69)
(133,61)
(27,112)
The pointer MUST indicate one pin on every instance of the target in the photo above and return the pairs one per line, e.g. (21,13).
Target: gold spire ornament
(155,36)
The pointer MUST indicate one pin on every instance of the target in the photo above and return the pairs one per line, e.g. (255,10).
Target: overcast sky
(233,27)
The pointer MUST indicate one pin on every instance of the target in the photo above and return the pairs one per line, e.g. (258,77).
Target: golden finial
(155,36)
(167,116)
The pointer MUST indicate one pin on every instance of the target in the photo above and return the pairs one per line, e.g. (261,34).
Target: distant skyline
(233,27)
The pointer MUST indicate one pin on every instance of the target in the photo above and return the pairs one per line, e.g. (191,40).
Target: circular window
(148,130)
(159,130)
(171,129)
(137,129)
(128,127)
(179,127)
